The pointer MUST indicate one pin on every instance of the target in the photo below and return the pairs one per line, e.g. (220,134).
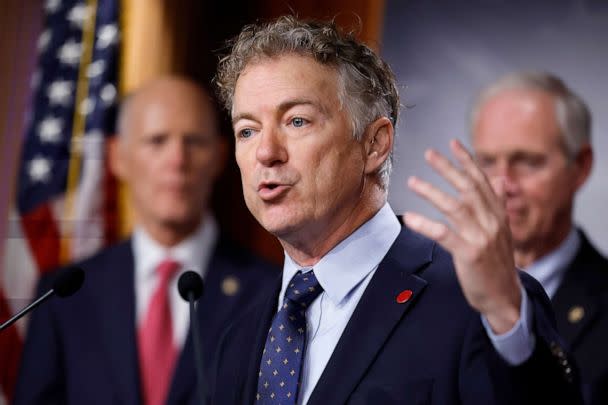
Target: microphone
(66,283)
(190,287)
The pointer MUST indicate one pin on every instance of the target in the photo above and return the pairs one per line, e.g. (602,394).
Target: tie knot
(303,288)
(167,268)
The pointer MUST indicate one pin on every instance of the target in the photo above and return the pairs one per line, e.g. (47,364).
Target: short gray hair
(367,87)
(573,116)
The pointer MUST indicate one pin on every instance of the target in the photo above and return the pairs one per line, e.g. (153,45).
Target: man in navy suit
(124,337)
(532,130)
(368,312)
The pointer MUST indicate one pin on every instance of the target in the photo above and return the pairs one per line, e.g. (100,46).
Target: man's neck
(528,253)
(169,235)
(307,247)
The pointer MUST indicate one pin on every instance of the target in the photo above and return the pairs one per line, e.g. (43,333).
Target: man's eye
(156,140)
(298,122)
(245,133)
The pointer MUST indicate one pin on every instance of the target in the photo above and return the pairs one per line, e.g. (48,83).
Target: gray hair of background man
(573,116)
(367,85)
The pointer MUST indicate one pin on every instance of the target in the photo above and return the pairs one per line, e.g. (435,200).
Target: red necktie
(157,352)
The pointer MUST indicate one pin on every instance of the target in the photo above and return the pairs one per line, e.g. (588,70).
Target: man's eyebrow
(284,106)
(242,116)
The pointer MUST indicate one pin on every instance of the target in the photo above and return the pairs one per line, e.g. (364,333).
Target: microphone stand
(27,309)
(196,340)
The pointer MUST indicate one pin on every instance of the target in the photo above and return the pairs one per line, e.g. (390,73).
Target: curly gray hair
(367,87)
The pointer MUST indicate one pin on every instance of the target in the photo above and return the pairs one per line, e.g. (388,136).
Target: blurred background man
(124,336)
(532,131)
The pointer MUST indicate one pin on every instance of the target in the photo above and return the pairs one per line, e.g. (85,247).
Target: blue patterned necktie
(281,364)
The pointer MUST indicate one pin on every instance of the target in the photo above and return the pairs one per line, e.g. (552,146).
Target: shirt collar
(193,253)
(549,269)
(349,262)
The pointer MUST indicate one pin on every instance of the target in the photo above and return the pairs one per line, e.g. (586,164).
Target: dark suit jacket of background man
(82,350)
(432,349)
(581,310)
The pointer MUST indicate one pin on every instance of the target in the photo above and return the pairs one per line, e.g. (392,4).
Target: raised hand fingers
(433,230)
(457,212)
(470,182)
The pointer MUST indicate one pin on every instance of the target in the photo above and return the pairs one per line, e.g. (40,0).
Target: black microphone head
(68,281)
(190,282)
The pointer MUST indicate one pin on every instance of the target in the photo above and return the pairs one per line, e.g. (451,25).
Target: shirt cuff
(516,345)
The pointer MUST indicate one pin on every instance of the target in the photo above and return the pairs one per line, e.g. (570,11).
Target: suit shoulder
(94,265)
(589,268)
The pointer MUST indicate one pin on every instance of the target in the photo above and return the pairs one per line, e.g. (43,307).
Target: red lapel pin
(404,296)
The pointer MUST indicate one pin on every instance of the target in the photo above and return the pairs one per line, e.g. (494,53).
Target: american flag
(64,206)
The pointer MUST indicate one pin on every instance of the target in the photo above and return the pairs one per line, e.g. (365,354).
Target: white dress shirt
(549,270)
(192,253)
(344,273)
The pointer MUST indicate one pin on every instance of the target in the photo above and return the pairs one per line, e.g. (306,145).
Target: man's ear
(584,163)
(379,138)
(116,159)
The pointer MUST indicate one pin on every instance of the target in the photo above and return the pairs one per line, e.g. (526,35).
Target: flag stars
(282,383)
(52,6)
(296,351)
(275,372)
(50,129)
(269,362)
(96,68)
(43,40)
(257,396)
(285,361)
(69,53)
(272,395)
(289,339)
(86,106)
(107,35)
(301,330)
(78,14)
(292,372)
(278,349)
(60,92)
(282,327)
(266,384)
(289,395)
(39,169)
(108,94)
(272,338)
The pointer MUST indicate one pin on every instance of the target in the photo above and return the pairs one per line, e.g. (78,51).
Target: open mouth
(271,191)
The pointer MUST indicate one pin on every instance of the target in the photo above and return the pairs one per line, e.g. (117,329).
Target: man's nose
(177,152)
(271,149)
(509,177)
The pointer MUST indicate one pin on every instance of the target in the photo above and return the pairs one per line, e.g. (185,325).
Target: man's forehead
(282,83)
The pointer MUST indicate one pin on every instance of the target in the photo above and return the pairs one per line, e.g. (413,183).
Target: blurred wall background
(443,52)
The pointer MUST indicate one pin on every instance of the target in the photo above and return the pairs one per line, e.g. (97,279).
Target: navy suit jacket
(581,309)
(432,349)
(82,349)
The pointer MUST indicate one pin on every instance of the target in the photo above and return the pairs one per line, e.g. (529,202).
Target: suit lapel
(376,315)
(574,302)
(268,310)
(117,321)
